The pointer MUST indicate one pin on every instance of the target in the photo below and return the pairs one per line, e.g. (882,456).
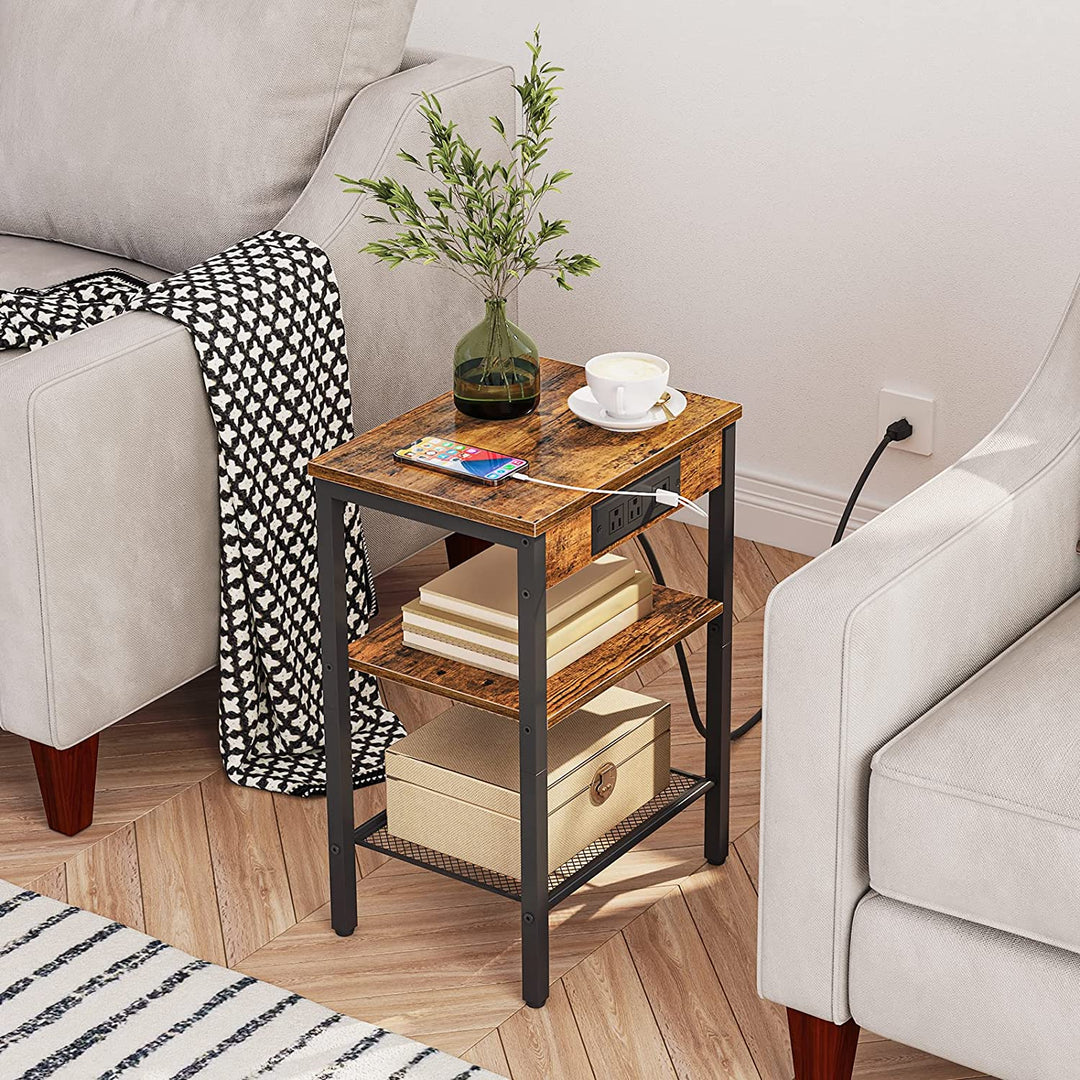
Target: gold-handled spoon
(665,397)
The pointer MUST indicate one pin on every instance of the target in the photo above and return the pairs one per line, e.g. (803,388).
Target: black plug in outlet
(618,516)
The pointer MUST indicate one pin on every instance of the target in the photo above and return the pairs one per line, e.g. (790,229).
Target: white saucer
(585,406)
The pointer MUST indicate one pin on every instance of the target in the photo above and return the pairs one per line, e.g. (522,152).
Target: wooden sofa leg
(821,1050)
(460,547)
(67,779)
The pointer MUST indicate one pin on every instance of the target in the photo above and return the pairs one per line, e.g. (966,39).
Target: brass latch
(603,783)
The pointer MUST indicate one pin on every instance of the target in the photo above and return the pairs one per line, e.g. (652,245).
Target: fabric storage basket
(453,784)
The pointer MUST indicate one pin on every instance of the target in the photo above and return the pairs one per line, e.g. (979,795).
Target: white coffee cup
(627,385)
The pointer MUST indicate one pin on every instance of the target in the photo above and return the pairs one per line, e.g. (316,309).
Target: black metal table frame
(535,896)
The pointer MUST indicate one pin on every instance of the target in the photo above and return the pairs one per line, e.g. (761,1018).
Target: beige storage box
(453,784)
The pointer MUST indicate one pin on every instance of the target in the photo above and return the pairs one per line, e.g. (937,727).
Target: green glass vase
(496,368)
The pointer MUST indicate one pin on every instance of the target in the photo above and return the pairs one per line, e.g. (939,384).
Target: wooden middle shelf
(674,615)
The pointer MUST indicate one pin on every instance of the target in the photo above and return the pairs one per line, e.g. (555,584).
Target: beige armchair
(108,487)
(920,846)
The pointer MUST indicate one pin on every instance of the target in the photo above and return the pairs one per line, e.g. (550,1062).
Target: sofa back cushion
(165,131)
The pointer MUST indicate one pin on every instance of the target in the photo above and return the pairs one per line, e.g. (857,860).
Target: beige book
(484,588)
(452,648)
(419,618)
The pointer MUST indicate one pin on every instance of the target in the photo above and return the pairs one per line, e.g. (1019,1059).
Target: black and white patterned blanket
(266,323)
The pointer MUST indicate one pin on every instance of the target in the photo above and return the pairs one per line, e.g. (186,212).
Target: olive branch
(481,220)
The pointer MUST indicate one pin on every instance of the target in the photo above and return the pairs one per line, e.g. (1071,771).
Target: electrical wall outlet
(919,412)
(620,515)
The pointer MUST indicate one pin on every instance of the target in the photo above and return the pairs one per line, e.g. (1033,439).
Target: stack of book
(470,613)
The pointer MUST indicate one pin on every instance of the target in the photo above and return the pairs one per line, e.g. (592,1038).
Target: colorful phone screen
(461,459)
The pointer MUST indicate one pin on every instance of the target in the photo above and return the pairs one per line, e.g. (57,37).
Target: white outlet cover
(892,405)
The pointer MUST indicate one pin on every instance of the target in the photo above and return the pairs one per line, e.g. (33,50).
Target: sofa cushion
(165,132)
(38,263)
(975,808)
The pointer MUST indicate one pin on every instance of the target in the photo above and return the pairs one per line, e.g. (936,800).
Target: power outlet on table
(618,516)
(617,519)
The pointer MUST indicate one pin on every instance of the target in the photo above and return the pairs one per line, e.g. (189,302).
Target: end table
(555,532)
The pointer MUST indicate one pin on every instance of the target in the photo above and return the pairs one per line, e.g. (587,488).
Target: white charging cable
(666,498)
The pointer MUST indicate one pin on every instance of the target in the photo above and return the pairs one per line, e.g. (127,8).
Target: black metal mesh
(389,844)
(682,787)
(679,786)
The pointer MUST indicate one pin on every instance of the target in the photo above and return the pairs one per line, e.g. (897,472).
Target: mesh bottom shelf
(683,789)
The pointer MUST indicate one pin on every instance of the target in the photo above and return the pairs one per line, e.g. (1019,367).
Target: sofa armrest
(108,527)
(871,634)
(401,325)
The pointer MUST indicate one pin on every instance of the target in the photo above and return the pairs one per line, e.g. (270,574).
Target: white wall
(798,203)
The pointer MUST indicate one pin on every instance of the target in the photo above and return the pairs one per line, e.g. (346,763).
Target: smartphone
(459,459)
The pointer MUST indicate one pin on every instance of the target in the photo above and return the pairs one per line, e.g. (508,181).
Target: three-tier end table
(555,532)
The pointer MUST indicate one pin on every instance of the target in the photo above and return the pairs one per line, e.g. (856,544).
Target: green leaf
(480,217)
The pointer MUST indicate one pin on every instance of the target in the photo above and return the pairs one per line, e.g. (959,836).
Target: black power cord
(897,431)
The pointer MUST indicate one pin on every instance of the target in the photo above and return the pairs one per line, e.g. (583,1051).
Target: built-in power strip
(618,516)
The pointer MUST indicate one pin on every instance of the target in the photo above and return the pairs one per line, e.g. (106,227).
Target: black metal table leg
(532,749)
(338,727)
(718,661)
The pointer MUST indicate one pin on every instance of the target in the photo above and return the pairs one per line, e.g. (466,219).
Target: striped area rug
(85,998)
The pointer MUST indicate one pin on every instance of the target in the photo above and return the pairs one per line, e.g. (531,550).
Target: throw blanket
(83,997)
(265,320)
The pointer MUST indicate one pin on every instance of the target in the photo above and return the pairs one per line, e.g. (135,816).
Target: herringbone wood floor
(652,963)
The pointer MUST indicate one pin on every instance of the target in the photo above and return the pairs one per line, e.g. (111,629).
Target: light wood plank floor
(652,962)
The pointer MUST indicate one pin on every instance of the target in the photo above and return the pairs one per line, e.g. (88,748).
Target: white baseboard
(786,515)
